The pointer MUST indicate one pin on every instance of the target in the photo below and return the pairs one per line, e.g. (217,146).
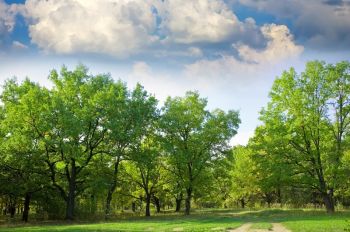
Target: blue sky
(229,50)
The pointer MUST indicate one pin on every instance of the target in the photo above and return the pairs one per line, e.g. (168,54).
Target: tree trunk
(12,207)
(71,193)
(148,204)
(112,189)
(133,207)
(26,207)
(157,203)
(279,197)
(188,201)
(12,210)
(314,199)
(329,202)
(327,196)
(178,203)
(242,203)
(268,197)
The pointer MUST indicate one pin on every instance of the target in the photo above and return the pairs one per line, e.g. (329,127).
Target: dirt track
(276,227)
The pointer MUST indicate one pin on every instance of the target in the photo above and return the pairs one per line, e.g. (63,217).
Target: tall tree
(338,78)
(66,124)
(194,138)
(129,117)
(300,108)
(144,169)
(20,148)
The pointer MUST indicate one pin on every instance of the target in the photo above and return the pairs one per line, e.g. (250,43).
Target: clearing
(268,220)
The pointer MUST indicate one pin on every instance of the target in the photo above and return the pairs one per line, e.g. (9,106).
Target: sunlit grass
(205,220)
(320,222)
(193,223)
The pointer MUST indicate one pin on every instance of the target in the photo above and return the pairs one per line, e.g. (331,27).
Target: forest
(90,147)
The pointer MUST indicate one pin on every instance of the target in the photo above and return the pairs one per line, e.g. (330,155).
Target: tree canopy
(89,146)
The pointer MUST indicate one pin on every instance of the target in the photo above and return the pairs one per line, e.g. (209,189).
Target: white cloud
(197,20)
(7,18)
(123,27)
(126,27)
(183,51)
(156,82)
(280,46)
(243,81)
(115,27)
(18,45)
(141,69)
(323,24)
(195,51)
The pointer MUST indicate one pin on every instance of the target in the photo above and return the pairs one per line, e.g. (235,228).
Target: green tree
(66,123)
(244,175)
(338,117)
(272,167)
(21,150)
(194,138)
(301,108)
(129,117)
(144,169)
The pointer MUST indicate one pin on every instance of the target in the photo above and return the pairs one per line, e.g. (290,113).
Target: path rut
(276,227)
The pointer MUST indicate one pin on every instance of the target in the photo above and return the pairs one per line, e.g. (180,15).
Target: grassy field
(206,220)
(319,222)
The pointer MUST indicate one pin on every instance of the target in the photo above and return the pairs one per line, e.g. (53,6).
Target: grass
(319,222)
(175,223)
(205,220)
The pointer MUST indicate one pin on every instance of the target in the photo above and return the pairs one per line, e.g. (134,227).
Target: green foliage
(243,175)
(305,131)
(88,139)
(195,139)
(92,147)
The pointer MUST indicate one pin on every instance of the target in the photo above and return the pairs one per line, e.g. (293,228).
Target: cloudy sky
(228,50)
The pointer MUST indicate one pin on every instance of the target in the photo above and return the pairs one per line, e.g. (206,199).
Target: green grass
(204,220)
(319,223)
(152,224)
(262,226)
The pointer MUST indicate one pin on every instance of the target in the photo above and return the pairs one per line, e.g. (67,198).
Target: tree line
(89,138)
(89,146)
(301,151)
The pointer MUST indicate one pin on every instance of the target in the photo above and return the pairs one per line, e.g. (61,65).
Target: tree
(272,170)
(20,148)
(65,123)
(194,138)
(144,169)
(338,78)
(129,117)
(302,107)
(243,175)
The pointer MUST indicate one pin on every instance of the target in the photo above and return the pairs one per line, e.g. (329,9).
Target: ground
(278,220)
(256,227)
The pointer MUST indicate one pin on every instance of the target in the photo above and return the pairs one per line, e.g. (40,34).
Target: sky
(230,51)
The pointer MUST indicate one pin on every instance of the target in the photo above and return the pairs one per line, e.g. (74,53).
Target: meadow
(295,220)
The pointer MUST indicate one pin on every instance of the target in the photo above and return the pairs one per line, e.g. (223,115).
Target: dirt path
(245,227)
(276,227)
